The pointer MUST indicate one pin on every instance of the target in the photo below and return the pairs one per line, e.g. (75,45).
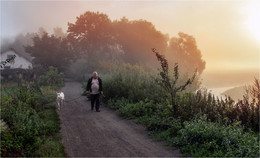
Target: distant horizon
(229,78)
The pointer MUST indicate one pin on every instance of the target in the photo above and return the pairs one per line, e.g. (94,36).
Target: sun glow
(254,18)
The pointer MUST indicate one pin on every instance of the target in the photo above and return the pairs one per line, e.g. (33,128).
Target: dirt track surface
(87,133)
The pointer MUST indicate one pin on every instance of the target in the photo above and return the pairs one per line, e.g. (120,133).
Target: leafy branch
(168,83)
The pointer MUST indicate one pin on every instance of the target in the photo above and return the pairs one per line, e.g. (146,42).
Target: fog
(230,51)
(229,78)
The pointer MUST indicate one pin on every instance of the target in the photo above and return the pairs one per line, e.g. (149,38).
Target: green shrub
(25,124)
(27,95)
(225,129)
(11,145)
(131,82)
(117,103)
(157,123)
(51,122)
(227,111)
(50,148)
(23,119)
(52,78)
(9,142)
(169,82)
(135,110)
(203,138)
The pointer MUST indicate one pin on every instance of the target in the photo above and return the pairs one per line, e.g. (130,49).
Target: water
(217,91)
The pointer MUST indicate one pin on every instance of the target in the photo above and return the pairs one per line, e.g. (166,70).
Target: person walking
(95,88)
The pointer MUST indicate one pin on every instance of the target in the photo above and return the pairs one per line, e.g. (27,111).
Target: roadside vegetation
(29,122)
(163,96)
(197,122)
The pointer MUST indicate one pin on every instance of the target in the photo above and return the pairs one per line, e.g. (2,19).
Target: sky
(227,31)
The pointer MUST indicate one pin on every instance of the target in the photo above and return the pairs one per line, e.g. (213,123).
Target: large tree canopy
(137,38)
(91,35)
(184,50)
(96,36)
(50,51)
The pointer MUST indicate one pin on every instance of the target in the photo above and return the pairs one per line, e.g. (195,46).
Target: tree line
(95,37)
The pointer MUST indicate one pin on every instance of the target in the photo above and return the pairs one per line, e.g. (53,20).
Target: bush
(169,82)
(135,110)
(155,123)
(51,122)
(117,104)
(225,129)
(203,138)
(131,82)
(52,78)
(227,111)
(11,145)
(153,116)
(50,148)
(9,142)
(25,125)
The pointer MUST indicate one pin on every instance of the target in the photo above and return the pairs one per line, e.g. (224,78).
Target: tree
(91,35)
(96,36)
(41,31)
(169,82)
(52,78)
(137,38)
(19,42)
(50,51)
(57,32)
(183,50)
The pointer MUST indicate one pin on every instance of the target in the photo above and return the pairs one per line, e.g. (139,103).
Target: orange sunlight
(254,18)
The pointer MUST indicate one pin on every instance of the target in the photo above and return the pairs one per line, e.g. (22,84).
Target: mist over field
(187,71)
(226,60)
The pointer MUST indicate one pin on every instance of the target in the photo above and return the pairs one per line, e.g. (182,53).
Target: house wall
(19,61)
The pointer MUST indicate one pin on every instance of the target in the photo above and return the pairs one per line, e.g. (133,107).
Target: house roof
(20,53)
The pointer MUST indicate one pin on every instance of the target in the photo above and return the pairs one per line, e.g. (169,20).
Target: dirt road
(87,133)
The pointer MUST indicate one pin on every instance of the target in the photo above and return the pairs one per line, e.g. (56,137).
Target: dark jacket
(99,83)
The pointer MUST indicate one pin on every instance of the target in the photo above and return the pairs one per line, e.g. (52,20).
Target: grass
(51,146)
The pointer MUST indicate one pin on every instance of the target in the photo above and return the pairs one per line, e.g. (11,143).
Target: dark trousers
(95,98)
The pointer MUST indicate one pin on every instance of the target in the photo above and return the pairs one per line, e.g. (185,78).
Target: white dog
(60,100)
